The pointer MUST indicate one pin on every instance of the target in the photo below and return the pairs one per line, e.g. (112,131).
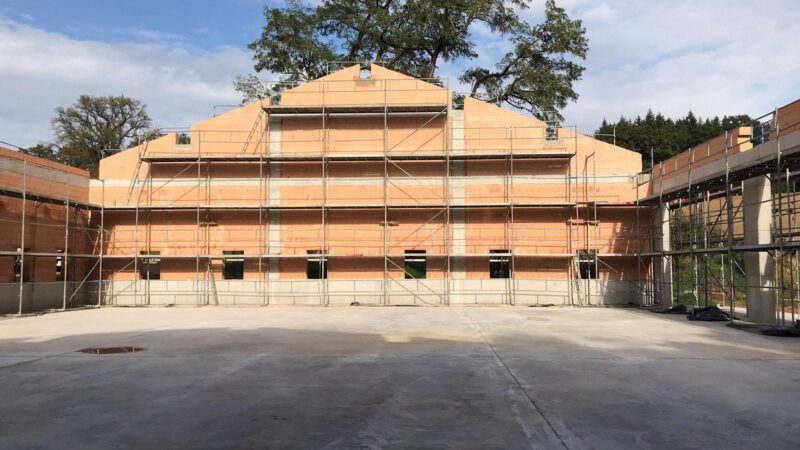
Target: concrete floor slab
(359,377)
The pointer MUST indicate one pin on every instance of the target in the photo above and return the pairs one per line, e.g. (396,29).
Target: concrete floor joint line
(499,359)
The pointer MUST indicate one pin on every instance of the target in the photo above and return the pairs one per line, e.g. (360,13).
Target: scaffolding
(425,172)
(712,232)
(44,216)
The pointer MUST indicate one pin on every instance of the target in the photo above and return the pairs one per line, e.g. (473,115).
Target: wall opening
(59,266)
(233,266)
(587,264)
(151,265)
(499,264)
(415,265)
(316,265)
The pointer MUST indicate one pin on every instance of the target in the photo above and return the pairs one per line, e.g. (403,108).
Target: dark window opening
(551,131)
(415,265)
(499,264)
(317,265)
(151,265)
(587,264)
(59,266)
(17,267)
(234,266)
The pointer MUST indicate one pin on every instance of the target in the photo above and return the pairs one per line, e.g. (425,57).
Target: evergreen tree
(666,137)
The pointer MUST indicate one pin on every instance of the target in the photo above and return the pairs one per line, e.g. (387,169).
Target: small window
(17,266)
(499,264)
(234,266)
(151,266)
(587,264)
(59,266)
(317,265)
(551,131)
(415,265)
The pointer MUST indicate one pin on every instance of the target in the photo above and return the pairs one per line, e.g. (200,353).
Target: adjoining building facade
(44,210)
(371,189)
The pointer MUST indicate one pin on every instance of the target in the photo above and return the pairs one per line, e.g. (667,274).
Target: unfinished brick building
(362,186)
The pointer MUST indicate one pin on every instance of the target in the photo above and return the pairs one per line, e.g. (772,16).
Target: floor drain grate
(111,350)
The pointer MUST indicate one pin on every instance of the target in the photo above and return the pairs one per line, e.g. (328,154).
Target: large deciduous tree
(46,151)
(94,124)
(535,71)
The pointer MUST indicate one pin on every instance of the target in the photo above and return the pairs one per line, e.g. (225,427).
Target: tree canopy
(536,73)
(46,151)
(667,137)
(94,124)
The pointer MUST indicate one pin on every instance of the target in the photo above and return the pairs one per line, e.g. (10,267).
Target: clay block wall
(738,140)
(44,222)
(788,119)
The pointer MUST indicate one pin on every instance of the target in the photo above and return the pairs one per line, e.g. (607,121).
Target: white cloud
(669,55)
(736,57)
(41,70)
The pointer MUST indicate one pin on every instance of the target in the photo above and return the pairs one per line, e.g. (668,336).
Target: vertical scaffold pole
(102,239)
(781,186)
(513,273)
(22,233)
(66,248)
(447,224)
(385,198)
(729,231)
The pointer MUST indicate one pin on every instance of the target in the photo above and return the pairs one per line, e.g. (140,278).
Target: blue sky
(202,24)
(180,57)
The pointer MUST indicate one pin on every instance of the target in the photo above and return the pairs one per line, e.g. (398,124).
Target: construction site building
(367,186)
(364,186)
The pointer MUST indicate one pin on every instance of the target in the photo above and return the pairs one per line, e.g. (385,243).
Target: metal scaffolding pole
(22,233)
(324,261)
(197,229)
(729,231)
(148,232)
(385,198)
(447,224)
(261,225)
(102,237)
(209,280)
(511,246)
(66,247)
(781,187)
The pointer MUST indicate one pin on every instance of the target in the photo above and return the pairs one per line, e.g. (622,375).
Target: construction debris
(708,314)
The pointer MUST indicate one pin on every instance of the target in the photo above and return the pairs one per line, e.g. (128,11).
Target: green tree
(95,124)
(415,37)
(46,151)
(666,137)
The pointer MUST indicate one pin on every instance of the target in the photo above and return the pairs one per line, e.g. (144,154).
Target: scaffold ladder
(255,129)
(212,284)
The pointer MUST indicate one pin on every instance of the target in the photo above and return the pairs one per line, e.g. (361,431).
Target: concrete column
(458,235)
(458,223)
(759,266)
(274,136)
(274,233)
(663,266)
(457,144)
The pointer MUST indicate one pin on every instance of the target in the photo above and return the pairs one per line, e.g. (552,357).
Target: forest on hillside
(663,135)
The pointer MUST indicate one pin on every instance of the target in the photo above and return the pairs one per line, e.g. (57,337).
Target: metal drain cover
(111,350)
